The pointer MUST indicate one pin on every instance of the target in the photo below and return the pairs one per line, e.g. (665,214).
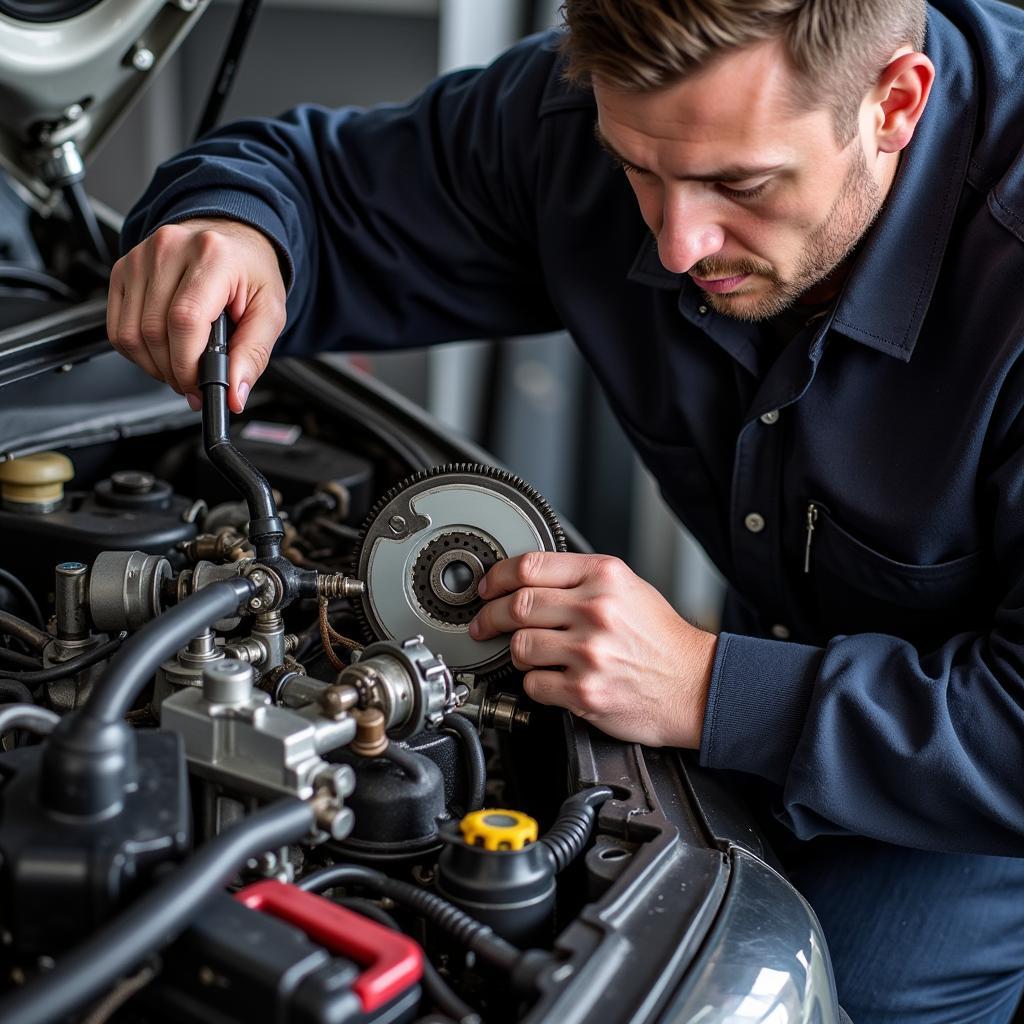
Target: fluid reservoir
(35,483)
(494,869)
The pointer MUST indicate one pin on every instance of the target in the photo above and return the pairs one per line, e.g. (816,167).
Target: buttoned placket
(757,511)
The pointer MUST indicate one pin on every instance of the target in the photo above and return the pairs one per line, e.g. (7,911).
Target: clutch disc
(428,542)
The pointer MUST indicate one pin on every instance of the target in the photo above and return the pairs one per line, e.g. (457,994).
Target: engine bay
(186,651)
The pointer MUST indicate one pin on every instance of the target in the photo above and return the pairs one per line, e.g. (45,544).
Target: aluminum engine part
(71,600)
(237,739)
(124,589)
(409,683)
(429,541)
(186,668)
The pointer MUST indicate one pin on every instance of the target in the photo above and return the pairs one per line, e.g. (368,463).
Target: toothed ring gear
(427,544)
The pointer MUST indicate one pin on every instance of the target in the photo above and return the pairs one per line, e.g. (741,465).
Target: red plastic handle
(392,960)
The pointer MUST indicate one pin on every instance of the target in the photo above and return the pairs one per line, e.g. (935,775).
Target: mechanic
(817,354)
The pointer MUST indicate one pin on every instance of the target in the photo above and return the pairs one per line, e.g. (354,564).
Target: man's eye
(745,193)
(633,169)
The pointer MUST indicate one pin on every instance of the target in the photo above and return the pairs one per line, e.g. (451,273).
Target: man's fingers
(528,607)
(549,686)
(562,570)
(199,298)
(251,345)
(540,648)
(124,314)
(159,293)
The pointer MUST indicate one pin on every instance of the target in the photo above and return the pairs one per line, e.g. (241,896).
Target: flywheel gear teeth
(470,469)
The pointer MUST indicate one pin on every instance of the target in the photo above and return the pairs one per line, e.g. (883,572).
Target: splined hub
(447,573)
(427,544)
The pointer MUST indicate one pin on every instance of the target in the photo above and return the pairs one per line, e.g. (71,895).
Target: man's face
(757,202)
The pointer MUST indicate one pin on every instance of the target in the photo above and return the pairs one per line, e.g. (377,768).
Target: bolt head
(142,58)
(256,604)
(397,524)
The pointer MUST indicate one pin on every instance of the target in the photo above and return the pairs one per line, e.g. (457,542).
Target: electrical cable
(469,932)
(85,221)
(19,662)
(28,716)
(229,63)
(12,581)
(33,637)
(38,677)
(473,755)
(438,990)
(156,918)
(17,276)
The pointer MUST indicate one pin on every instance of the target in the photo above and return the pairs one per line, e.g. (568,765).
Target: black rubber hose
(464,929)
(33,637)
(140,656)
(410,763)
(473,753)
(571,830)
(19,662)
(14,692)
(12,581)
(155,919)
(37,677)
(265,526)
(440,993)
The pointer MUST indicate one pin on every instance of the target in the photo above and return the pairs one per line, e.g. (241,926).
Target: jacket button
(780,632)
(769,418)
(754,522)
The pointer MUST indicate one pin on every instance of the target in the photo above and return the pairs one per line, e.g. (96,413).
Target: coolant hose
(140,656)
(14,692)
(521,966)
(11,625)
(34,678)
(156,919)
(476,763)
(571,830)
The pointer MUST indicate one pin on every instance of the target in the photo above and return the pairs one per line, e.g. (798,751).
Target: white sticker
(284,434)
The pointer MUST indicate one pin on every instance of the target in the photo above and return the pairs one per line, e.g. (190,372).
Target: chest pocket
(856,589)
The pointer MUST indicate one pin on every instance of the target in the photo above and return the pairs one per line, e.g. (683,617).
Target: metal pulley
(427,544)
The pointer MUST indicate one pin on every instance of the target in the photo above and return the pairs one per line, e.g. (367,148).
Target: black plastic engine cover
(60,878)
(81,528)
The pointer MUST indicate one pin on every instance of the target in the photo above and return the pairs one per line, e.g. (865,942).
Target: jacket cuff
(232,205)
(757,704)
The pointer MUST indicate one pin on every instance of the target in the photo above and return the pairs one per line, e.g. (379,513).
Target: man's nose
(689,233)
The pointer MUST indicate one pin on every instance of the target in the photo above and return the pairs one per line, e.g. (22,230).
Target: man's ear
(899,98)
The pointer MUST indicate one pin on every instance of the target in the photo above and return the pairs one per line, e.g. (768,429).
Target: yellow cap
(35,479)
(498,830)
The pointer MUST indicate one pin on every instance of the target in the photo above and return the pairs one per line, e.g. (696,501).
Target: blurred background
(530,401)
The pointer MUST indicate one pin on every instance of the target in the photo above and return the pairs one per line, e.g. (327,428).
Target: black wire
(85,221)
(438,990)
(19,662)
(70,667)
(18,276)
(32,637)
(229,62)
(25,594)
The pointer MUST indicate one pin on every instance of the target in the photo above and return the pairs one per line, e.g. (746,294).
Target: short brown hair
(839,45)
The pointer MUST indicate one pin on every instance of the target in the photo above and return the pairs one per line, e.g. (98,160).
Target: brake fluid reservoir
(493,868)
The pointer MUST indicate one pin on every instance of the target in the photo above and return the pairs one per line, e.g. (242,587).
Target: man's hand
(168,290)
(595,638)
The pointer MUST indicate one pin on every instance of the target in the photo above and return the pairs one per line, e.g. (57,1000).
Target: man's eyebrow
(731,172)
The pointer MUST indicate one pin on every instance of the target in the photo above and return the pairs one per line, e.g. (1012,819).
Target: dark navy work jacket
(880,680)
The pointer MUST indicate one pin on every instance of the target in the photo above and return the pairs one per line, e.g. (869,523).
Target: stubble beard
(828,245)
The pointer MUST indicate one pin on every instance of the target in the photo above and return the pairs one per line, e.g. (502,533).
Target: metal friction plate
(429,540)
